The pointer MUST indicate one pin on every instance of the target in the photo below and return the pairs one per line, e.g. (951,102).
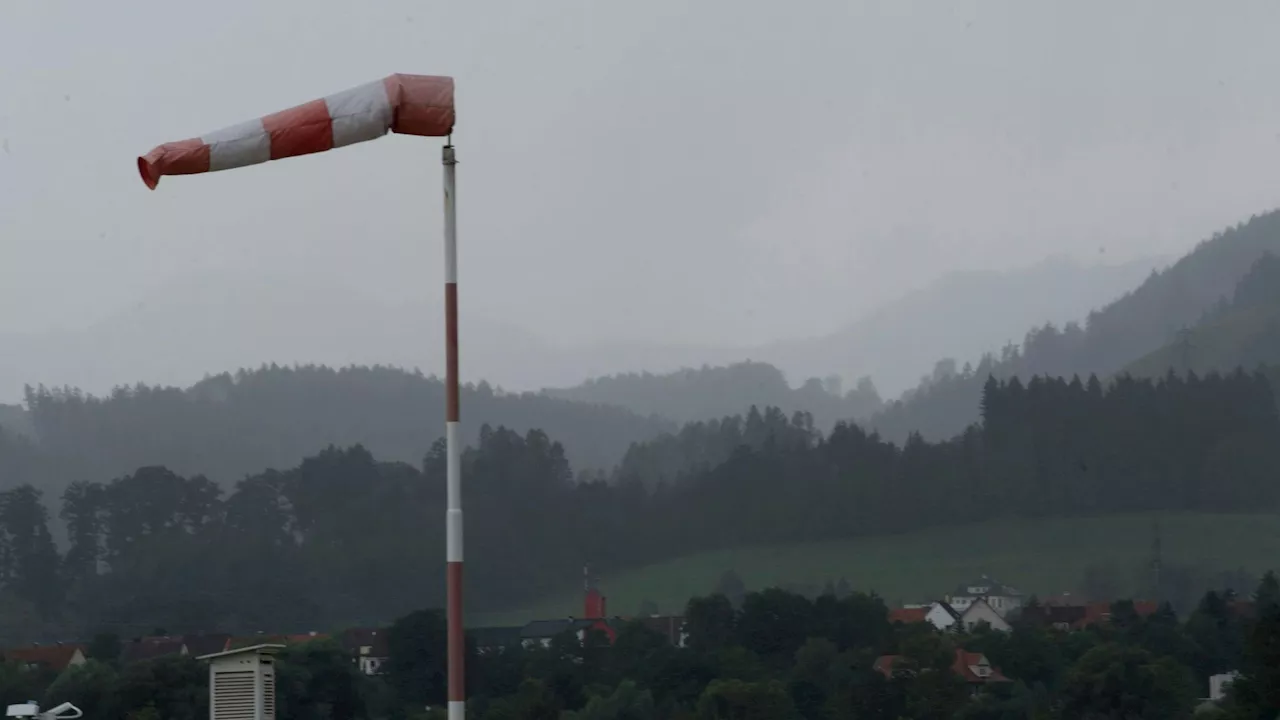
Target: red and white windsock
(406,104)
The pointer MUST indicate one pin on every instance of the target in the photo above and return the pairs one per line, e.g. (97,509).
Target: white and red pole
(404,104)
(453,473)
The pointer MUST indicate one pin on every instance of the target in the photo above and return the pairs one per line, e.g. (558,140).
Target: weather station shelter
(242,683)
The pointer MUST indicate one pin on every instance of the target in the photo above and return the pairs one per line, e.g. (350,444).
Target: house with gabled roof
(1099,613)
(205,644)
(236,643)
(908,615)
(670,627)
(1006,600)
(368,647)
(490,640)
(974,668)
(942,616)
(1056,616)
(980,612)
(151,647)
(57,657)
(595,618)
(939,614)
(542,632)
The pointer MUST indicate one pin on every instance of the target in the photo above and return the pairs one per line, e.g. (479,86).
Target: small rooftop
(551,628)
(264,649)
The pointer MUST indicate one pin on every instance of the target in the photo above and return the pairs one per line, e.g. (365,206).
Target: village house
(942,616)
(939,614)
(205,644)
(236,643)
(151,647)
(1006,600)
(56,657)
(908,614)
(540,633)
(368,647)
(497,639)
(1099,613)
(669,626)
(973,668)
(1057,616)
(1218,685)
(595,618)
(980,612)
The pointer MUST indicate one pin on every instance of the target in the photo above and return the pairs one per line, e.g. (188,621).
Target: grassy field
(1044,557)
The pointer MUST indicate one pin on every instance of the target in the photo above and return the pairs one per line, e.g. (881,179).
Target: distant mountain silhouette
(714,392)
(962,315)
(1108,340)
(1242,333)
(893,346)
(218,321)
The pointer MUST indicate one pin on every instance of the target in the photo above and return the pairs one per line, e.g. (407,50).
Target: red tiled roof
(236,643)
(1058,615)
(1098,613)
(907,616)
(198,645)
(149,648)
(54,657)
(963,666)
(884,664)
(966,661)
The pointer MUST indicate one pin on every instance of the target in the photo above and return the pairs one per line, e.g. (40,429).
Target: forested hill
(1110,338)
(229,426)
(1244,332)
(710,392)
(323,543)
(14,419)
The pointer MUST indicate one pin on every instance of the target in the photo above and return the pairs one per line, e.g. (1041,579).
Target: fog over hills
(213,322)
(962,314)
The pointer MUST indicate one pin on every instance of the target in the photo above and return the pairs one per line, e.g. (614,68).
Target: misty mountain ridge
(972,310)
(690,395)
(962,314)
(231,425)
(215,322)
(219,320)
(1241,333)
(1143,320)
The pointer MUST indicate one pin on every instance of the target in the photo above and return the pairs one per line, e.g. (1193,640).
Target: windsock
(406,104)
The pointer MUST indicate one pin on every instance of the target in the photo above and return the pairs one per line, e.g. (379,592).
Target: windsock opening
(148,175)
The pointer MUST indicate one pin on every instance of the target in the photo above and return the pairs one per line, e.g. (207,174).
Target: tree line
(342,538)
(773,656)
(233,425)
(692,395)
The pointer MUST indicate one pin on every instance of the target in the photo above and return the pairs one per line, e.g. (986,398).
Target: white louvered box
(242,683)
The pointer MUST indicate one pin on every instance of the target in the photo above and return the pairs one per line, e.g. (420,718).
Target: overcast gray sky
(715,172)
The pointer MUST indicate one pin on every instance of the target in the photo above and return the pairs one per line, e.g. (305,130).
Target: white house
(1218,685)
(980,611)
(942,616)
(1004,599)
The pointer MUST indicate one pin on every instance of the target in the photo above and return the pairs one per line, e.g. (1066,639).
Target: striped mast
(453,472)
(405,104)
